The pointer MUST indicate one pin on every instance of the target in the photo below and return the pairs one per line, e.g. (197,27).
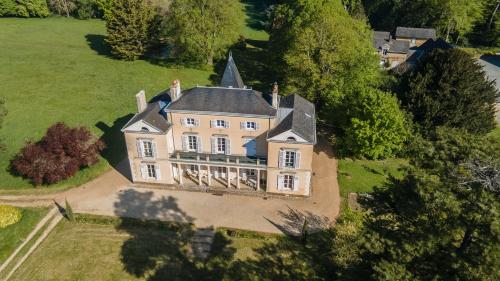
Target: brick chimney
(140,98)
(275,95)
(175,90)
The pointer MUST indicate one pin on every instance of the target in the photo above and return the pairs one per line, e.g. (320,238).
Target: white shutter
(144,171)
(214,145)
(280,182)
(158,172)
(196,122)
(226,124)
(281,158)
(296,183)
(242,125)
(183,121)
(228,146)
(297,160)
(257,125)
(198,144)
(184,143)
(139,148)
(153,146)
(212,123)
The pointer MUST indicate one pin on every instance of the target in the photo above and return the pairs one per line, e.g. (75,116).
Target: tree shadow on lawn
(115,151)
(253,64)
(255,9)
(161,250)
(97,42)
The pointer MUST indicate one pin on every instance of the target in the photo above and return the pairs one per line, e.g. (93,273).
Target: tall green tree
(24,8)
(128,23)
(323,53)
(376,127)
(201,30)
(450,89)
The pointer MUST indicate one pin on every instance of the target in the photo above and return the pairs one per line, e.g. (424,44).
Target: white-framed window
(192,143)
(289,159)
(220,124)
(150,171)
(288,182)
(221,145)
(190,122)
(146,148)
(249,125)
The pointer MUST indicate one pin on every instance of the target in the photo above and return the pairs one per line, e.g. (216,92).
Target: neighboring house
(407,46)
(415,36)
(224,137)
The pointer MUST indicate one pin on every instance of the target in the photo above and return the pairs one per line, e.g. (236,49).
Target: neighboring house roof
(298,115)
(417,33)
(380,38)
(400,47)
(231,77)
(223,100)
(152,116)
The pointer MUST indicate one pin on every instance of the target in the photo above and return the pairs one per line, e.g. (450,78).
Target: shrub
(9,215)
(58,155)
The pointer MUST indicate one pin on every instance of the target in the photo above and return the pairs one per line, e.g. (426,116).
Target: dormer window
(145,129)
(291,139)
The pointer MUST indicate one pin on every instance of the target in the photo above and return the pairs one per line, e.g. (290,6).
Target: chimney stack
(275,95)
(140,98)
(175,90)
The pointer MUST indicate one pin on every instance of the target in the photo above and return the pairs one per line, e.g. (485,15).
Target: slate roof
(417,33)
(300,118)
(223,100)
(153,116)
(401,47)
(231,77)
(380,38)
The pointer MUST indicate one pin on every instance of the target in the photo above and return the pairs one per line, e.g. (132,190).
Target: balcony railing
(219,158)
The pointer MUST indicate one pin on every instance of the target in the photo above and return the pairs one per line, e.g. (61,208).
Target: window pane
(148,148)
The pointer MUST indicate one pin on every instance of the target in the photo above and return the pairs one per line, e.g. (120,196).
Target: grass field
(364,175)
(102,248)
(59,69)
(13,235)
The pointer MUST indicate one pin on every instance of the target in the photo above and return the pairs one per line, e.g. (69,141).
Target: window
(289,159)
(151,170)
(190,122)
(220,124)
(192,143)
(250,172)
(144,129)
(147,148)
(221,145)
(288,182)
(291,139)
(250,125)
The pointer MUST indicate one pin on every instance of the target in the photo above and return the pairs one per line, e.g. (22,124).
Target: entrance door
(250,147)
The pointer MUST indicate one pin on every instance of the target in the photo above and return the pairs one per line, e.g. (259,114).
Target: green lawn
(59,69)
(103,248)
(364,175)
(13,235)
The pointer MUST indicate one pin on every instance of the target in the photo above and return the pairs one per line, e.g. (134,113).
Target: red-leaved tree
(58,155)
